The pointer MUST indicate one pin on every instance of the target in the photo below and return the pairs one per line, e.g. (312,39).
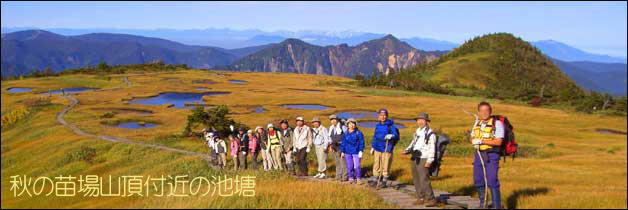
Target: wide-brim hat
(423,115)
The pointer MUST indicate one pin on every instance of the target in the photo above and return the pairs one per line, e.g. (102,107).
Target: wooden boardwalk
(403,195)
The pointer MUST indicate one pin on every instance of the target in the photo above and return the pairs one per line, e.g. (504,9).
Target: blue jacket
(381,130)
(352,143)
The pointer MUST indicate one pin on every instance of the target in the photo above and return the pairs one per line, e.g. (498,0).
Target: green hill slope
(495,65)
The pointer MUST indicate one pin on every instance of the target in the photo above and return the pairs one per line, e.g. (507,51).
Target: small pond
(372,124)
(306,90)
(368,115)
(357,114)
(19,90)
(258,109)
(239,82)
(68,90)
(610,131)
(178,100)
(305,106)
(136,125)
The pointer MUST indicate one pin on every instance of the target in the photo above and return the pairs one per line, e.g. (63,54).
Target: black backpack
(442,140)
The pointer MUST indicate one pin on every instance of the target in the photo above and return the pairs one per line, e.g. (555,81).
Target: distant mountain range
(233,39)
(601,77)
(568,53)
(25,51)
(293,55)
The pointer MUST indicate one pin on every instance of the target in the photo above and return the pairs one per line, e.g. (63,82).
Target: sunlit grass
(573,166)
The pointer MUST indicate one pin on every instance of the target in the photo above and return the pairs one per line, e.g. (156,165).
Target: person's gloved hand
(342,155)
(372,151)
(307,150)
(389,136)
(360,154)
(294,150)
(476,143)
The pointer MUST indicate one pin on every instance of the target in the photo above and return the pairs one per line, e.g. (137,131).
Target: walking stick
(485,203)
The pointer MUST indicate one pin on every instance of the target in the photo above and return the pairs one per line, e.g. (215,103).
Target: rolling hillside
(496,65)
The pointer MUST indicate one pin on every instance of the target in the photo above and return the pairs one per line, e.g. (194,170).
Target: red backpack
(509,143)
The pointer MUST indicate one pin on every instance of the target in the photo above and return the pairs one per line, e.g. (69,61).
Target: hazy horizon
(596,27)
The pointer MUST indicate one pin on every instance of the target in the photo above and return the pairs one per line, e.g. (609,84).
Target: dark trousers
(341,166)
(302,161)
(242,160)
(422,183)
(254,159)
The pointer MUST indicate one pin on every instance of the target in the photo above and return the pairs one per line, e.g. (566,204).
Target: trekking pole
(380,163)
(485,204)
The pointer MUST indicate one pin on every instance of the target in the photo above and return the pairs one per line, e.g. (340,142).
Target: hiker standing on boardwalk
(253,147)
(210,142)
(286,140)
(351,150)
(274,144)
(336,132)
(321,142)
(234,146)
(301,142)
(423,148)
(262,138)
(243,139)
(384,139)
(221,150)
(487,136)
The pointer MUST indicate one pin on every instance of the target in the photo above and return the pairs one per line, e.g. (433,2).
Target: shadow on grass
(527,192)
(467,190)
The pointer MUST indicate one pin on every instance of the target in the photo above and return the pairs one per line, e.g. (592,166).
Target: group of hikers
(285,147)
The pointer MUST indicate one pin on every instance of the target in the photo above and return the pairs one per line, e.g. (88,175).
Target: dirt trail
(78,131)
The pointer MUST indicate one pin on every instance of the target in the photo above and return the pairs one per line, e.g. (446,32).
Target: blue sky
(593,26)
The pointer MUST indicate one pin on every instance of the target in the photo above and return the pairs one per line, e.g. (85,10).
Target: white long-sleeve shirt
(302,137)
(339,129)
(418,143)
(210,141)
(321,137)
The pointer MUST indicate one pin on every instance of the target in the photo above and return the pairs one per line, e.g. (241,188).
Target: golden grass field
(574,166)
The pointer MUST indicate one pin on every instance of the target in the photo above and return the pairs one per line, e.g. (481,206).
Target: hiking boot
(351,181)
(419,202)
(430,203)
(360,182)
(322,176)
(384,182)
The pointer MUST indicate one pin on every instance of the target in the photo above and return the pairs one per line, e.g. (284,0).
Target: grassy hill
(565,162)
(495,65)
